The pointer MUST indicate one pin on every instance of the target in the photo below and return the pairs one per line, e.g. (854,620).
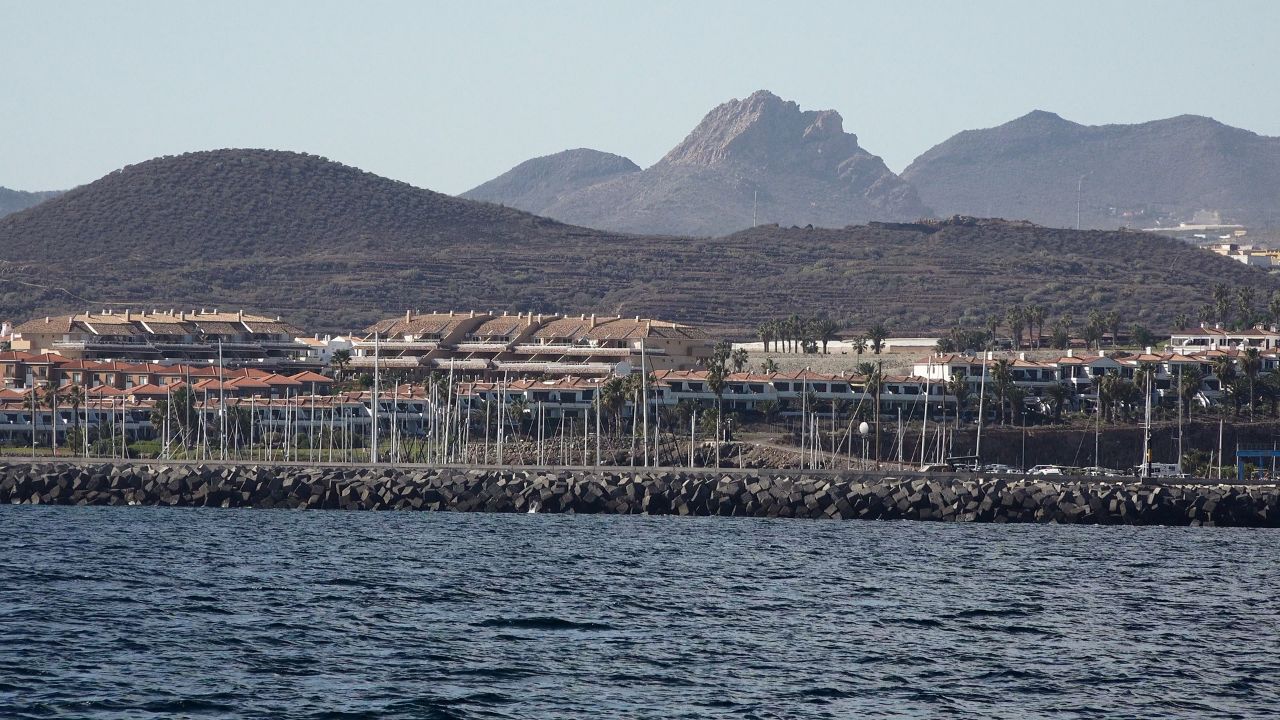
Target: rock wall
(762,493)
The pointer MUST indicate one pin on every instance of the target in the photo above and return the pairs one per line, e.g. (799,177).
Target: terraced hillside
(333,248)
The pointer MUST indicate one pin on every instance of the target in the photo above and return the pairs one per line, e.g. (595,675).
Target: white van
(1159,470)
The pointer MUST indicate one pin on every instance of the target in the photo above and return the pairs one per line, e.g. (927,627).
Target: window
(782,387)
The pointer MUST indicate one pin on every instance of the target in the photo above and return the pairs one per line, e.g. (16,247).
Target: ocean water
(152,612)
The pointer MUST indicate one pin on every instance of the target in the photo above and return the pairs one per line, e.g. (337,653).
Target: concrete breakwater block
(755,493)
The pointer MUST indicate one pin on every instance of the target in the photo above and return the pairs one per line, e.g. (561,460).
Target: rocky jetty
(762,493)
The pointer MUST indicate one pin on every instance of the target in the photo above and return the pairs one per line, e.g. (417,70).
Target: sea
(109,612)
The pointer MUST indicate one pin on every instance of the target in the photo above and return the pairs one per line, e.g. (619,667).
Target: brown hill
(1159,172)
(332,247)
(539,183)
(11,201)
(760,157)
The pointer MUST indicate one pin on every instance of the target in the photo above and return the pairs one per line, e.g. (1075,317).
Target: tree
(1273,308)
(1141,336)
(1113,324)
(739,358)
(958,387)
(874,379)
(825,330)
(611,398)
(765,332)
(1035,317)
(717,371)
(1016,318)
(768,410)
(1002,383)
(1189,386)
(876,336)
(993,330)
(339,360)
(1245,301)
(73,395)
(1251,365)
(49,399)
(768,366)
(1059,395)
(1181,321)
(1222,303)
(1094,329)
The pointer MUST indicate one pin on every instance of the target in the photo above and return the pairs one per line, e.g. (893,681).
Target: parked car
(1045,470)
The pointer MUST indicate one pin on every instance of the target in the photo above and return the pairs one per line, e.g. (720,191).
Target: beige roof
(504,326)
(635,329)
(441,324)
(572,328)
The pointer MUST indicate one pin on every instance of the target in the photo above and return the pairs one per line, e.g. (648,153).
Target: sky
(446,95)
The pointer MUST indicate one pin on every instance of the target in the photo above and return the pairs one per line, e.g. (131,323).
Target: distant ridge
(11,201)
(334,248)
(537,184)
(1154,173)
(759,158)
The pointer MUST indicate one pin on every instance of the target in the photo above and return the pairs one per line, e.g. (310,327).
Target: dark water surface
(150,612)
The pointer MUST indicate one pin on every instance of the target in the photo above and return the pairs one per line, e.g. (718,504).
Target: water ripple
(166,612)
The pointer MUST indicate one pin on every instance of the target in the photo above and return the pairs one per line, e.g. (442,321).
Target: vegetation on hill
(334,248)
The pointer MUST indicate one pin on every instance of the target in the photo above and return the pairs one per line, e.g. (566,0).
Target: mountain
(11,201)
(332,248)
(1159,172)
(760,158)
(536,184)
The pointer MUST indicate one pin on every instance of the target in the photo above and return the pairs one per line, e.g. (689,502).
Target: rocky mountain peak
(766,132)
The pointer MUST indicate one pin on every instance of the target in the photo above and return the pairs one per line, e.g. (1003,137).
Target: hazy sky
(447,95)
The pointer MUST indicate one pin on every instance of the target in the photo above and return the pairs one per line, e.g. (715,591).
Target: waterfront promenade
(811,494)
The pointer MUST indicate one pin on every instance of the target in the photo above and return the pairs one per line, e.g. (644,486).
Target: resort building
(199,335)
(489,346)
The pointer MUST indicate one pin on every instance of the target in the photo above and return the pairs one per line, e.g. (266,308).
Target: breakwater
(758,493)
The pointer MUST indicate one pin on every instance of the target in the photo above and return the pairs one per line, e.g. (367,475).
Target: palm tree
(1273,308)
(73,395)
(859,344)
(825,330)
(1222,303)
(1016,318)
(993,329)
(717,371)
(1059,394)
(795,328)
(1251,364)
(50,400)
(1002,382)
(1189,387)
(739,359)
(874,379)
(611,398)
(876,336)
(958,387)
(339,360)
(1113,324)
(1035,318)
(765,332)
(768,366)
(1245,301)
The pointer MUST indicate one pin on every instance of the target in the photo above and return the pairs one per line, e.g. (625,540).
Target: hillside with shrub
(333,248)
